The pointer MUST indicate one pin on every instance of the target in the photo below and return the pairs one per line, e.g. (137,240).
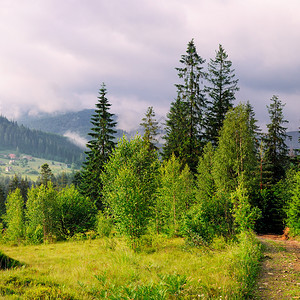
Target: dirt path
(280,274)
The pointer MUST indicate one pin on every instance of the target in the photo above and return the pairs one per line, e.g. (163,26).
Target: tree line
(38,143)
(216,175)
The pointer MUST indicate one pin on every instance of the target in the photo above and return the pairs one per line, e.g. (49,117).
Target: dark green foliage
(209,219)
(73,213)
(221,90)
(186,118)
(38,143)
(176,132)
(129,184)
(18,182)
(150,126)
(276,150)
(46,175)
(293,206)
(8,263)
(253,127)
(268,200)
(100,147)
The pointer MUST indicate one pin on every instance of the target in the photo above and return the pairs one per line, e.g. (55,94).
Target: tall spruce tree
(100,146)
(221,90)
(186,118)
(276,150)
(151,127)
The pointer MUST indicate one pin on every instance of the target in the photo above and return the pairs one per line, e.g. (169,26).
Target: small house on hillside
(12,156)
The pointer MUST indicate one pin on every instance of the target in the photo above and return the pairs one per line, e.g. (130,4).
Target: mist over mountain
(77,125)
(74,125)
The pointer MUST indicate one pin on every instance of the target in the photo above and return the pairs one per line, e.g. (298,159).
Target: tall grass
(93,269)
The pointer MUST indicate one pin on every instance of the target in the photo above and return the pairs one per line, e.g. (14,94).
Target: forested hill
(75,122)
(38,143)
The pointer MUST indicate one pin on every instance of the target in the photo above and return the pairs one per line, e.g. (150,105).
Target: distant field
(28,166)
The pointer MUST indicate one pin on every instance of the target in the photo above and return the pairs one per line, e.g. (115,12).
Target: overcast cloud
(54,54)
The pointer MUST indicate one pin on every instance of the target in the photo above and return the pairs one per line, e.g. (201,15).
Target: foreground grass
(107,268)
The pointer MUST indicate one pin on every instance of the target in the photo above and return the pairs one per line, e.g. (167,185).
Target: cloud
(76,138)
(55,54)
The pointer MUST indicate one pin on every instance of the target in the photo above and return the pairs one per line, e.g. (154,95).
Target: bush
(74,213)
(246,263)
(104,225)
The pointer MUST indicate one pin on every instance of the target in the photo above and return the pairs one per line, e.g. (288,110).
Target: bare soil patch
(280,273)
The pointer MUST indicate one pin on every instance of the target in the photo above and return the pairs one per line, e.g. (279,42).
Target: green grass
(106,268)
(32,169)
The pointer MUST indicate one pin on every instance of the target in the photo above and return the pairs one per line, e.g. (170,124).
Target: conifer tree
(46,175)
(100,147)
(221,90)
(186,118)
(151,127)
(276,158)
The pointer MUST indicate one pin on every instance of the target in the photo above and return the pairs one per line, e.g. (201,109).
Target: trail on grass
(280,272)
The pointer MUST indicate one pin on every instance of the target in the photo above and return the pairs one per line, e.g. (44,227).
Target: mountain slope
(38,143)
(74,122)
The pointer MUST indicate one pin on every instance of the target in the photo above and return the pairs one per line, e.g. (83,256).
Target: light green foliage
(174,196)
(205,181)
(246,264)
(73,213)
(51,214)
(40,213)
(104,224)
(218,173)
(129,184)
(244,214)
(293,211)
(14,216)
(235,154)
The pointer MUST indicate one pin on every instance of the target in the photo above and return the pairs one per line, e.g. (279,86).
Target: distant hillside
(38,143)
(72,122)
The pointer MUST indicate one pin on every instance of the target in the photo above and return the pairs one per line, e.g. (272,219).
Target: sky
(54,55)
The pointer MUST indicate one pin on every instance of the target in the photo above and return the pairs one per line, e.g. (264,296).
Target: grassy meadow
(107,268)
